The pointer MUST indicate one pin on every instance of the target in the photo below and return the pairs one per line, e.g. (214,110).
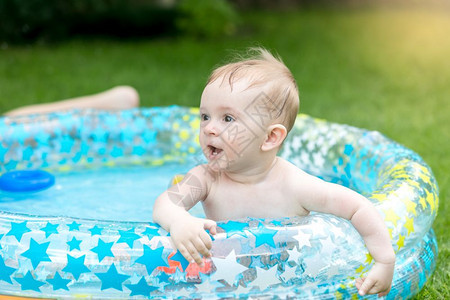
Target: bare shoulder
(296,186)
(290,170)
(296,177)
(200,176)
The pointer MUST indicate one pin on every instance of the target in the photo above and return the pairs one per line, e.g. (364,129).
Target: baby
(247,108)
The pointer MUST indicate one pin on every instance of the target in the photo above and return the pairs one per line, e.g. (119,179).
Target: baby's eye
(204,117)
(228,119)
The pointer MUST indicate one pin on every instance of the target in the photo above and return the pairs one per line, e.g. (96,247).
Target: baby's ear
(275,136)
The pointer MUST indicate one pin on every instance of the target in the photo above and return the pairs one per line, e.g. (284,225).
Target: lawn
(385,69)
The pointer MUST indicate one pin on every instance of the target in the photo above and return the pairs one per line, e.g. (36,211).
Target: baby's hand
(191,239)
(379,280)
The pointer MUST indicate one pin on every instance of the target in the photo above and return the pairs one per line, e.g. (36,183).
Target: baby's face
(232,125)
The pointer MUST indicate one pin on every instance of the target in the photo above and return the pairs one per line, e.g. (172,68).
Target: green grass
(386,69)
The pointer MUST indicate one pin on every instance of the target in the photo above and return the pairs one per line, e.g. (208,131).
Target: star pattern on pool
(112,278)
(128,237)
(5,271)
(152,258)
(141,288)
(103,249)
(263,235)
(37,252)
(29,283)
(74,244)
(234,228)
(95,230)
(74,226)
(76,266)
(18,230)
(58,282)
(180,258)
(227,268)
(50,229)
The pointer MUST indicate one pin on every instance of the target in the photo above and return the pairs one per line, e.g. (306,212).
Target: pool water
(110,193)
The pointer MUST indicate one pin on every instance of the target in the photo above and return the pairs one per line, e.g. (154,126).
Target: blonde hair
(263,68)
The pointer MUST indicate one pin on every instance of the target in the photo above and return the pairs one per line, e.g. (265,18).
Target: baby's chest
(228,202)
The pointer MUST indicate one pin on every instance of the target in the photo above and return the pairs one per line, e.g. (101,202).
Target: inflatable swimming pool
(65,255)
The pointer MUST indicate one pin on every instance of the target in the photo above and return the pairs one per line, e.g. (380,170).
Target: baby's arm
(187,232)
(343,202)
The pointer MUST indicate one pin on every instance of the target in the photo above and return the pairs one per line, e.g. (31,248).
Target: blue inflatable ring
(318,256)
(26,181)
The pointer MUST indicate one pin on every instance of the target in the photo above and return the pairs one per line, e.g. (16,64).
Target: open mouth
(214,152)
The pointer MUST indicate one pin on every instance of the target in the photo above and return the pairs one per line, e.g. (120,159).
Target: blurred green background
(384,67)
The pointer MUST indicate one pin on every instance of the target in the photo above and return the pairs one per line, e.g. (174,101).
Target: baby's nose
(211,129)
